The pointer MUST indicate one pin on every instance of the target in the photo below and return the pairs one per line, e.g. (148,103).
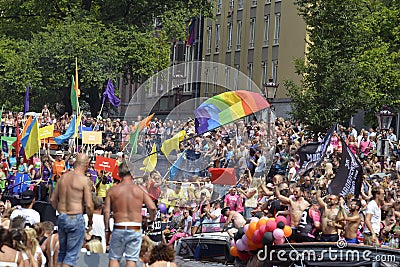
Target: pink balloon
(257,237)
(279,241)
(245,240)
(254,219)
(245,228)
(278,234)
(240,246)
(281,219)
(263,229)
(271,226)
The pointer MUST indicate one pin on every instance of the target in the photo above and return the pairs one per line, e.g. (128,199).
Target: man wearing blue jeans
(126,200)
(71,193)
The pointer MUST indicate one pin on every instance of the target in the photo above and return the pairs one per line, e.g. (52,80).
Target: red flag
(115,174)
(225,176)
(17,143)
(105,164)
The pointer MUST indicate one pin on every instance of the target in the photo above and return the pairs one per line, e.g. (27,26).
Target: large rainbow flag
(226,108)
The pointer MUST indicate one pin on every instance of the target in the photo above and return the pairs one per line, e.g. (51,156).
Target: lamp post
(384,117)
(270,89)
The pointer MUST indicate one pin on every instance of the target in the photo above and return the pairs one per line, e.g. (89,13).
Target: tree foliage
(352,62)
(39,40)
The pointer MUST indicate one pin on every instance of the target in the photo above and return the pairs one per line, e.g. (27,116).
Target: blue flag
(110,94)
(67,135)
(176,167)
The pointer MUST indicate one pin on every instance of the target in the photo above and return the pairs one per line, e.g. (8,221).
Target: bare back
(126,201)
(70,193)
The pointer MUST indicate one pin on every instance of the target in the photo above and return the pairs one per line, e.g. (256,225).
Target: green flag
(74,97)
(133,139)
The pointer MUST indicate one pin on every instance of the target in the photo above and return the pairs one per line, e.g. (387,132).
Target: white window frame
(239,34)
(253,3)
(264,72)
(227,78)
(268,1)
(240,4)
(229,36)
(236,79)
(267,27)
(231,4)
(250,75)
(219,6)
(207,85)
(217,37)
(215,82)
(209,39)
(252,31)
(274,72)
(277,28)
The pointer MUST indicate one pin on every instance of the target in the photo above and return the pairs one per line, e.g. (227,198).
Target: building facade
(260,38)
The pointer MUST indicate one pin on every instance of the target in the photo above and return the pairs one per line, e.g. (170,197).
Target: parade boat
(327,254)
(205,246)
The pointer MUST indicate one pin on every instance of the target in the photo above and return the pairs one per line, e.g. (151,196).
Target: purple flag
(26,100)
(110,94)
(4,146)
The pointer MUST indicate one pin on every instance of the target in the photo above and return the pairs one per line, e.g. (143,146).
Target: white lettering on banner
(353,170)
(104,164)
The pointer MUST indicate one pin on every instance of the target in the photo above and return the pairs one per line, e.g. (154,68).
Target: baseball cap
(27,197)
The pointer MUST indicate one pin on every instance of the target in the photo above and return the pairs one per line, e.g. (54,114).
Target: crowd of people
(267,185)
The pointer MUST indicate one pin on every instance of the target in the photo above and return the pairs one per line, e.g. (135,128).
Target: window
(275,70)
(215,82)
(268,1)
(229,36)
(207,86)
(263,72)
(236,82)
(252,31)
(209,36)
(250,74)
(253,2)
(240,4)
(217,37)
(277,27)
(266,30)
(231,4)
(239,34)
(227,78)
(219,6)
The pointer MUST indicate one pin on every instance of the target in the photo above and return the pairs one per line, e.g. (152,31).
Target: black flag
(313,153)
(348,177)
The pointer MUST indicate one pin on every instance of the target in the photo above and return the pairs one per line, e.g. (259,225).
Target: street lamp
(270,89)
(384,117)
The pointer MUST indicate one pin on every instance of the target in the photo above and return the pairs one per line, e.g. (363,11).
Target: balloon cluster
(259,233)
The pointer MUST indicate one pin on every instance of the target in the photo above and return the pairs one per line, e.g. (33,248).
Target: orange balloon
(234,251)
(261,221)
(252,227)
(253,247)
(250,242)
(287,231)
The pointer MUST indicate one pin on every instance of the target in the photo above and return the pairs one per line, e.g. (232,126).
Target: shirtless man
(125,201)
(353,220)
(235,217)
(71,193)
(329,220)
(297,206)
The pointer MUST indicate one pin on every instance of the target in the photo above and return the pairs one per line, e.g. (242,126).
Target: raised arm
(280,197)
(320,201)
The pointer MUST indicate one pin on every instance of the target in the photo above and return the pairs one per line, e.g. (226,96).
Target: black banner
(312,154)
(348,177)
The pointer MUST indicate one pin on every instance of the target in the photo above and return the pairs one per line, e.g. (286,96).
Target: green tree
(39,40)
(351,64)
